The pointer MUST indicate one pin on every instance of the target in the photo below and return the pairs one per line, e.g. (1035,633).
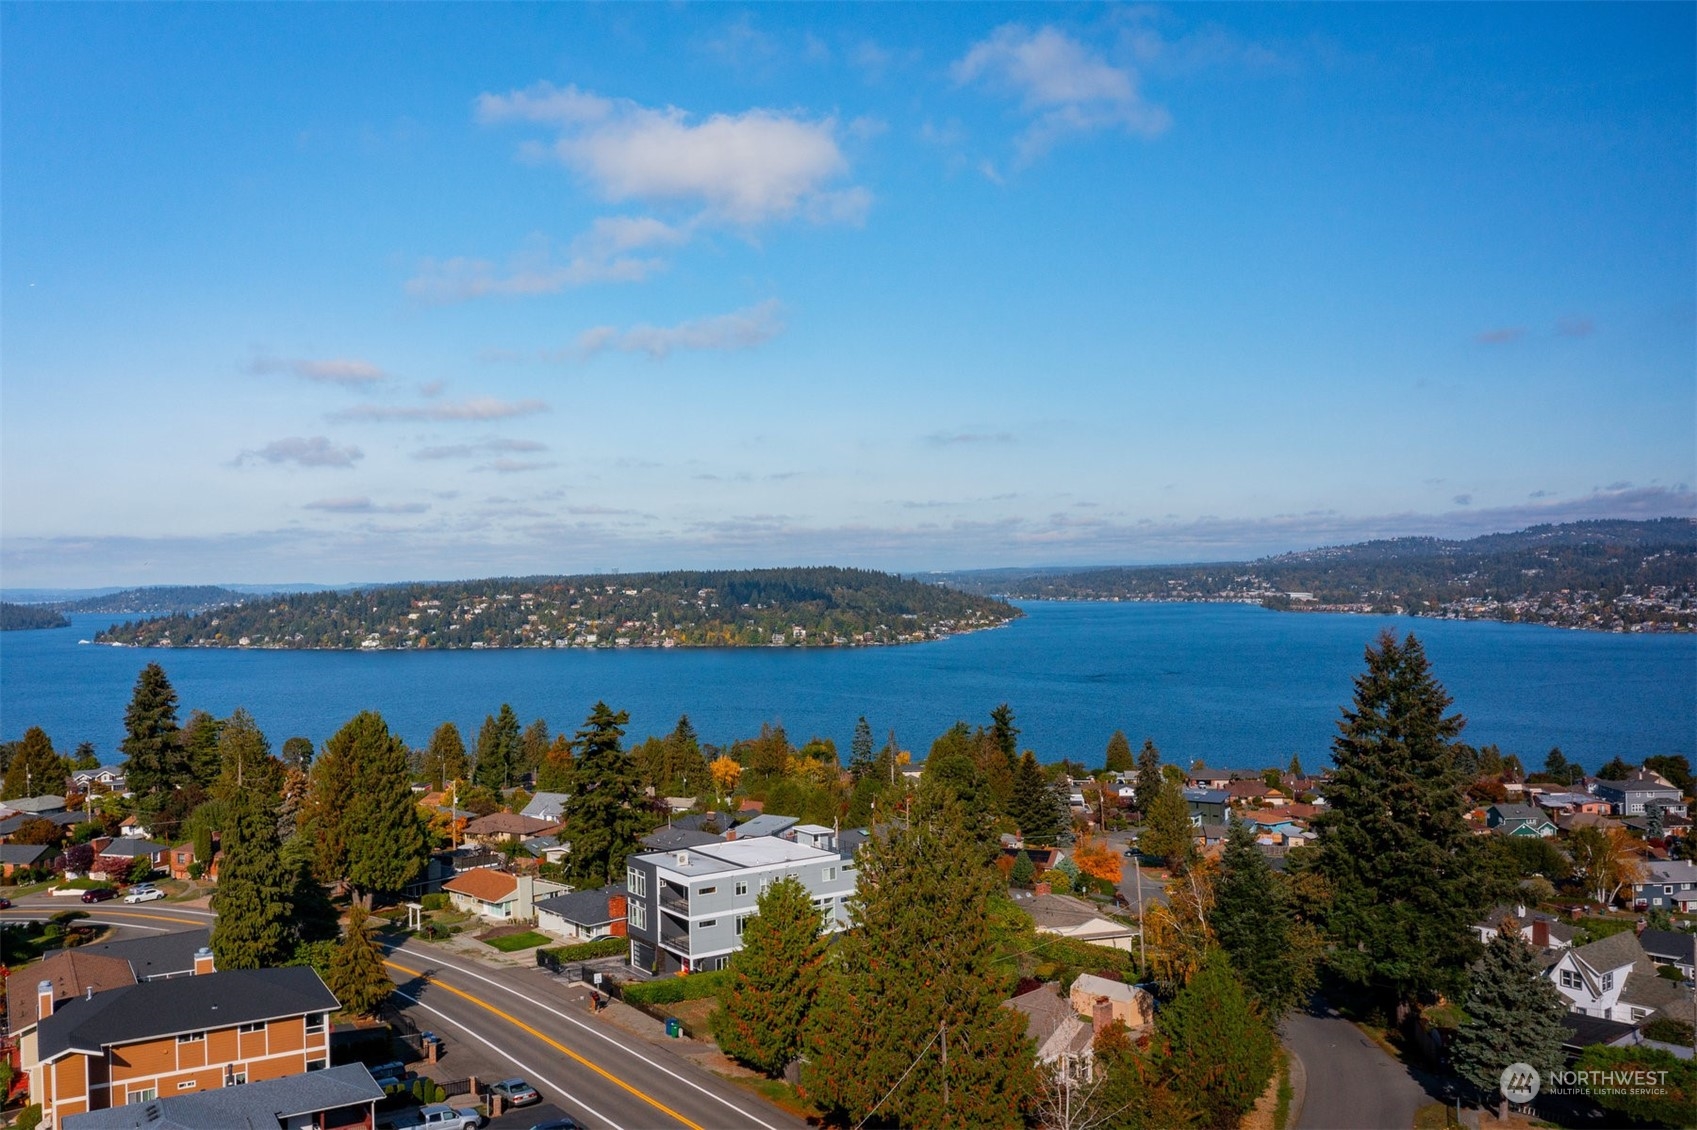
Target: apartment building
(176,1036)
(687,908)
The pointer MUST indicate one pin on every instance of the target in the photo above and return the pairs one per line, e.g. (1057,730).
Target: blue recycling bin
(673,1028)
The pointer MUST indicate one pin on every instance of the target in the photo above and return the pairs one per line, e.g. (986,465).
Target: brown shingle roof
(510,823)
(483,883)
(72,974)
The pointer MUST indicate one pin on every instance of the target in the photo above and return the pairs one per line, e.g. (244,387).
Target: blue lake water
(1236,685)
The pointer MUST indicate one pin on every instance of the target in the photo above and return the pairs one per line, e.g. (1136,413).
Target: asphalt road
(1352,1083)
(539,1029)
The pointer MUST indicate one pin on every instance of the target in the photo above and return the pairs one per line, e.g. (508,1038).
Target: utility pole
(1142,950)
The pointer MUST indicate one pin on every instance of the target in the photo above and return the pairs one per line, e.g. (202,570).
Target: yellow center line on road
(549,1040)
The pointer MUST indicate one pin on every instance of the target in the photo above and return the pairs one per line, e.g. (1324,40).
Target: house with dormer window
(1612,979)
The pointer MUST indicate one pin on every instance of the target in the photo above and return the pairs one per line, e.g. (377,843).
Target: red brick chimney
(618,907)
(1101,1014)
(1040,889)
(1540,933)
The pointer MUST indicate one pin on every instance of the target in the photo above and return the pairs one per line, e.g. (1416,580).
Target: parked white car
(144,892)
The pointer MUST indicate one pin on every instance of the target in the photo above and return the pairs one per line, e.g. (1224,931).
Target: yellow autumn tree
(726,773)
(1097,859)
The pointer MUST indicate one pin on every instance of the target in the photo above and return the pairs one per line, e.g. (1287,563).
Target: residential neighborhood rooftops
(671,839)
(154,956)
(264,1105)
(1671,947)
(766,824)
(189,1004)
(73,973)
(1046,1013)
(129,847)
(547,806)
(21,855)
(483,883)
(733,855)
(508,824)
(1102,987)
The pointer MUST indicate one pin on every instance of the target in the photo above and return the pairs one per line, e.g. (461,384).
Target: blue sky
(340,293)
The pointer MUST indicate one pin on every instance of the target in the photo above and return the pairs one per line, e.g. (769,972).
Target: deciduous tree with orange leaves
(1097,859)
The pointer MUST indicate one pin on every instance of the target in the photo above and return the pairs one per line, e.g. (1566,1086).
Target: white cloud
(597,256)
(741,329)
(481,447)
(305,451)
(336,370)
(1063,86)
(744,169)
(477,408)
(363,505)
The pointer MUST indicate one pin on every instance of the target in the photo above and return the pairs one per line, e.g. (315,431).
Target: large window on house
(638,914)
(1571,980)
(145,1095)
(637,881)
(250,1029)
(192,1038)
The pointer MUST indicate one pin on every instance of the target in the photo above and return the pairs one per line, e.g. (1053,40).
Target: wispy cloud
(477,408)
(602,254)
(744,169)
(740,329)
(952,439)
(1502,335)
(335,370)
(514,466)
(304,451)
(1064,87)
(493,444)
(1575,325)
(363,505)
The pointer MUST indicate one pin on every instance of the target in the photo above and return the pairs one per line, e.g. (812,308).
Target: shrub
(29,1118)
(434,901)
(588,951)
(673,990)
(428,1091)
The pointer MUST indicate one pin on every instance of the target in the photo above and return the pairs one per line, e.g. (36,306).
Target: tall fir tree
(35,769)
(254,925)
(362,809)
(498,750)
(1406,874)
(606,819)
(1167,831)
(953,763)
(245,761)
(201,734)
(445,759)
(912,1018)
(533,747)
(1215,1046)
(356,974)
(153,742)
(1004,733)
(1254,917)
(1514,1015)
(555,773)
(1149,778)
(1118,758)
(1295,768)
(1036,808)
(860,749)
(773,981)
(298,753)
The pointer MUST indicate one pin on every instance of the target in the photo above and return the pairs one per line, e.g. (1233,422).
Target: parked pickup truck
(436,1116)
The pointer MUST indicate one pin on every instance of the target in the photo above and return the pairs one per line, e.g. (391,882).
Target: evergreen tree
(35,770)
(498,750)
(917,975)
(1004,732)
(774,979)
(1135,1093)
(200,748)
(555,774)
(860,749)
(1614,770)
(445,758)
(245,761)
(85,757)
(153,744)
(1295,769)
(254,927)
(357,975)
(1405,873)
(1036,809)
(1149,778)
(533,747)
(297,753)
(1254,918)
(1119,759)
(1167,831)
(1214,1046)
(953,764)
(606,819)
(1514,1015)
(362,809)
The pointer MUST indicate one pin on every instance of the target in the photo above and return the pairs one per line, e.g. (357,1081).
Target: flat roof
(735,855)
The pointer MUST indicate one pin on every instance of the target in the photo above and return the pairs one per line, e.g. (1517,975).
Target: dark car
(559,1124)
(100,894)
(5,904)
(516,1091)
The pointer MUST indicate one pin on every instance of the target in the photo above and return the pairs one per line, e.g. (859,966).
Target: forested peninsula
(1603,575)
(26,617)
(802,607)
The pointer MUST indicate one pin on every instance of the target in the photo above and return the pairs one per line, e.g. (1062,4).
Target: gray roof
(1207,796)
(766,824)
(182,1004)
(250,1106)
(11,824)
(38,804)
(21,855)
(1583,1031)
(1522,917)
(132,847)
(1613,952)
(158,955)
(1650,990)
(585,908)
(695,820)
(671,839)
(1670,946)
(1508,812)
(546,806)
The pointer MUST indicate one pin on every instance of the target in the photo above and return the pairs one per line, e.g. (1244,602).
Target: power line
(903,1079)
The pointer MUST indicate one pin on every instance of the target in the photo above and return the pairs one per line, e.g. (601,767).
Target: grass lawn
(512,943)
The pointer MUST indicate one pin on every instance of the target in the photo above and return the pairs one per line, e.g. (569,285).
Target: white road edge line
(590,1029)
(531,1071)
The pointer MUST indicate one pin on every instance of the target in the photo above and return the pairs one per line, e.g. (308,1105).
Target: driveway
(1352,1083)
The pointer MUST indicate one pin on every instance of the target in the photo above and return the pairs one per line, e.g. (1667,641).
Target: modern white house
(687,908)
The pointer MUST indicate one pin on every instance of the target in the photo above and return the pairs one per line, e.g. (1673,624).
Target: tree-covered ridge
(25,617)
(1606,575)
(177,599)
(803,607)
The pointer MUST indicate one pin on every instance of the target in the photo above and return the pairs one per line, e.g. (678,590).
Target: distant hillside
(25,617)
(811,607)
(178,599)
(1616,576)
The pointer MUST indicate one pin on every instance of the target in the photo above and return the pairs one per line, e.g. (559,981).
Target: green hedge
(587,951)
(671,990)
